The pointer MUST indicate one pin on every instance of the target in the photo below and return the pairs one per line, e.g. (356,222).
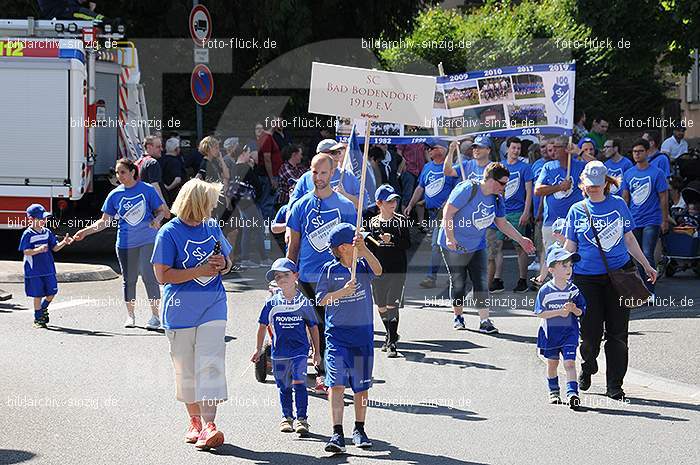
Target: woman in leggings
(139,210)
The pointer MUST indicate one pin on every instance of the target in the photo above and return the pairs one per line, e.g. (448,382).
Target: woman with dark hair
(139,210)
(470,209)
(613,223)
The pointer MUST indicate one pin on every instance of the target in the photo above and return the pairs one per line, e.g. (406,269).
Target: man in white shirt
(676,145)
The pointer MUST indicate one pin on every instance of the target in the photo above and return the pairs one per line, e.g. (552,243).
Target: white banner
(367,93)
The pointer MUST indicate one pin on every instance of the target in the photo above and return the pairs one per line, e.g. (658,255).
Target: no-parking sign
(202,84)
(200,25)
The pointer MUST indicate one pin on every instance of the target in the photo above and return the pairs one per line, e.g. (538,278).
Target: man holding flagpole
(309,223)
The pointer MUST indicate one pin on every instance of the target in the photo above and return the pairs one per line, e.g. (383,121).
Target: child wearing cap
(558,228)
(349,329)
(288,314)
(388,240)
(38,244)
(559,303)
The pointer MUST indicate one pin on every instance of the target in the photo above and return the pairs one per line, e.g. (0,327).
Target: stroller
(681,246)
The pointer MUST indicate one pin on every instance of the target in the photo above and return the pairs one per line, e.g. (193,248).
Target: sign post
(200,30)
(373,96)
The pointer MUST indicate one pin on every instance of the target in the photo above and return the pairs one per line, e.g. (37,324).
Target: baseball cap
(437,143)
(587,139)
(559,254)
(386,192)
(281,264)
(559,225)
(342,233)
(483,140)
(594,173)
(37,211)
(230,142)
(337,146)
(326,145)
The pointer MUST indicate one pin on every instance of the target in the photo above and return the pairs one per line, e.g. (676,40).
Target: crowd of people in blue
(584,209)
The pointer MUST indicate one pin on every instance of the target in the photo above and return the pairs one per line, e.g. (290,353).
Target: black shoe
(496,286)
(393,353)
(615,394)
(584,381)
(521,287)
(574,402)
(487,327)
(427,283)
(554,398)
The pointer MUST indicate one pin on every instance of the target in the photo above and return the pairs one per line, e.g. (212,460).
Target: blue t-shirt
(435,184)
(181,246)
(612,220)
(281,215)
(644,187)
(305,184)
(134,208)
(472,217)
(313,218)
(558,331)
(536,168)
(514,195)
(660,161)
(557,205)
(472,171)
(616,170)
(40,264)
(350,320)
(288,321)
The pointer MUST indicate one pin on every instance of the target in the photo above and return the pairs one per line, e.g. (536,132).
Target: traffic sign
(201,55)
(202,84)
(200,25)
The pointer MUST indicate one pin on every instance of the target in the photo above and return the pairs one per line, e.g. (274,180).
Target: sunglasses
(504,184)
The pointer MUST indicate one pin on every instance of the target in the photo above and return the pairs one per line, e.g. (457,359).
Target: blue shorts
(568,353)
(349,365)
(41,286)
(287,370)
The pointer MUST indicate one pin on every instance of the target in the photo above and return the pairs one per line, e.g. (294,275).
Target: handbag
(626,281)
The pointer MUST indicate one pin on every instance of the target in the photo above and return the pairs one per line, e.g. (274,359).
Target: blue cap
(281,264)
(343,233)
(594,173)
(559,254)
(37,211)
(483,140)
(587,139)
(386,192)
(437,143)
(559,225)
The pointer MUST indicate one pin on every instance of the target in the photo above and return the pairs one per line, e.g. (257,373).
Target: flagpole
(361,197)
(568,161)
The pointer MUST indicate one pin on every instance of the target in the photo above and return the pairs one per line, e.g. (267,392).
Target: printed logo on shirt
(556,300)
(609,227)
(483,216)
(132,209)
(39,237)
(475,177)
(615,173)
(513,184)
(319,225)
(561,195)
(196,254)
(436,181)
(640,188)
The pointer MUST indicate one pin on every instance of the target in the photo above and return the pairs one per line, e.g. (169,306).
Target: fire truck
(71,106)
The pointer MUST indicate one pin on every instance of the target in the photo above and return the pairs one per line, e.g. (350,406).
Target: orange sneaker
(210,437)
(194,430)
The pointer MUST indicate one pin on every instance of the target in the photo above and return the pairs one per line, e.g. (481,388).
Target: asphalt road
(87,391)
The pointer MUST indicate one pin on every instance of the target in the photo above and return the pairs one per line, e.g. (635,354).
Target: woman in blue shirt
(470,209)
(614,224)
(187,260)
(139,210)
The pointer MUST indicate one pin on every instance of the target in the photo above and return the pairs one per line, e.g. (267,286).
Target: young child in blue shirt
(288,314)
(38,244)
(559,303)
(349,321)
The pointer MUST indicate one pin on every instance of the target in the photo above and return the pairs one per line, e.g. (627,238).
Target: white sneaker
(153,323)
(130,321)
(249,264)
(534,266)
(266,263)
